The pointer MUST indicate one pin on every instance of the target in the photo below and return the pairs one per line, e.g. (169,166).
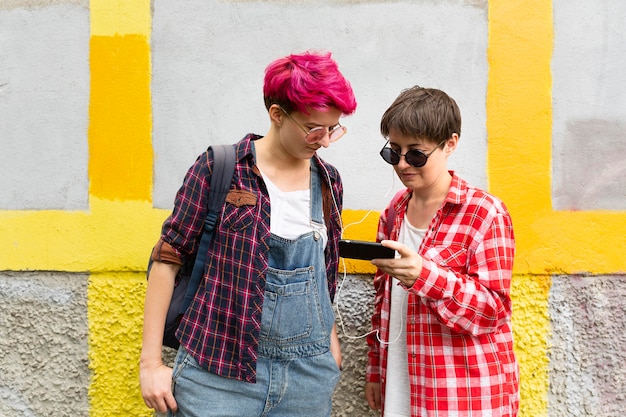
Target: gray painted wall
(209,58)
(44,104)
(589,101)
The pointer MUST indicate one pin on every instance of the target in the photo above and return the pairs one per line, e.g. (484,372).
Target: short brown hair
(425,113)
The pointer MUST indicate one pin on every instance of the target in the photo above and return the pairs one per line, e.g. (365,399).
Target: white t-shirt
(291,213)
(398,389)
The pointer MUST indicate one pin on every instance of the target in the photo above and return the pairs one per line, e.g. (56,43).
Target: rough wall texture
(43,344)
(354,305)
(115,321)
(587,372)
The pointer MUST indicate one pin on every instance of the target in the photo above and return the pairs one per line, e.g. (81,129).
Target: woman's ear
(451,143)
(276,114)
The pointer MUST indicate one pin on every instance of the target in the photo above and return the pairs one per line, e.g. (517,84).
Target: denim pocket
(179,364)
(287,308)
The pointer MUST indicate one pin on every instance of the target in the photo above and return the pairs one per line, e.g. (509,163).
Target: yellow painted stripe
(519,107)
(519,114)
(120,168)
(115,316)
(120,146)
(120,17)
(519,120)
(111,236)
(531,329)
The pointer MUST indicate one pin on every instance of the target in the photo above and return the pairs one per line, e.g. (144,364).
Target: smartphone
(360,249)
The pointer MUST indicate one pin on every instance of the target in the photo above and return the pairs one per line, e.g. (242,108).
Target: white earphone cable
(340,285)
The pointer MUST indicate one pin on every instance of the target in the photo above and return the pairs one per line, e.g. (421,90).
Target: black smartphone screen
(360,249)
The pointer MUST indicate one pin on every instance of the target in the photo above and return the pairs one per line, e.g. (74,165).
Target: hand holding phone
(360,249)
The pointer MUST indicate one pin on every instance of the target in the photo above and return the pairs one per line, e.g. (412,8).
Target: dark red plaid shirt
(221,327)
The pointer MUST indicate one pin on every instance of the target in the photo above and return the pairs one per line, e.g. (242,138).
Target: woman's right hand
(156,378)
(156,387)
(372,395)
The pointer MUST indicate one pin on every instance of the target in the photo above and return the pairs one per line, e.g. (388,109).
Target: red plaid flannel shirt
(459,337)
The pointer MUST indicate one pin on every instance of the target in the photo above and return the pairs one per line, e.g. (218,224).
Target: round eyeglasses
(413,157)
(318,133)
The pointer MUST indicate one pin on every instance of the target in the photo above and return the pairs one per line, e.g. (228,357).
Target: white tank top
(398,389)
(291,213)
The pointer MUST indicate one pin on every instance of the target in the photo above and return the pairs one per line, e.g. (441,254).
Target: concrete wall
(104,104)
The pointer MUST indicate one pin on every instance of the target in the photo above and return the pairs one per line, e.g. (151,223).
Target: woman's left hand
(406,268)
(335,348)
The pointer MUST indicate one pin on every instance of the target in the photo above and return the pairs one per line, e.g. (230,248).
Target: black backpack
(190,273)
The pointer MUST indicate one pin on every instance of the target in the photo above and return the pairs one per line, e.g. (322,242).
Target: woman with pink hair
(259,337)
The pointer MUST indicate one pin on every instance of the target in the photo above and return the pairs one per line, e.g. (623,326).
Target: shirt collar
(457,193)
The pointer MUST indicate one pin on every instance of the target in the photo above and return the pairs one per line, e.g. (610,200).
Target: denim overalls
(296,373)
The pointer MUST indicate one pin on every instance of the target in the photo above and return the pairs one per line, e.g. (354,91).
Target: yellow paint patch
(112,236)
(120,17)
(531,330)
(359,225)
(120,122)
(568,242)
(115,315)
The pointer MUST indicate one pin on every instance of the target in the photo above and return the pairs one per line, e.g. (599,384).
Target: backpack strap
(221,177)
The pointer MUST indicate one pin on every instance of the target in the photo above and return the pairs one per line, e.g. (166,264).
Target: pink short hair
(307,81)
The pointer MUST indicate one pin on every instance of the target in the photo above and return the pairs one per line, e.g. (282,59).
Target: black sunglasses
(413,157)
